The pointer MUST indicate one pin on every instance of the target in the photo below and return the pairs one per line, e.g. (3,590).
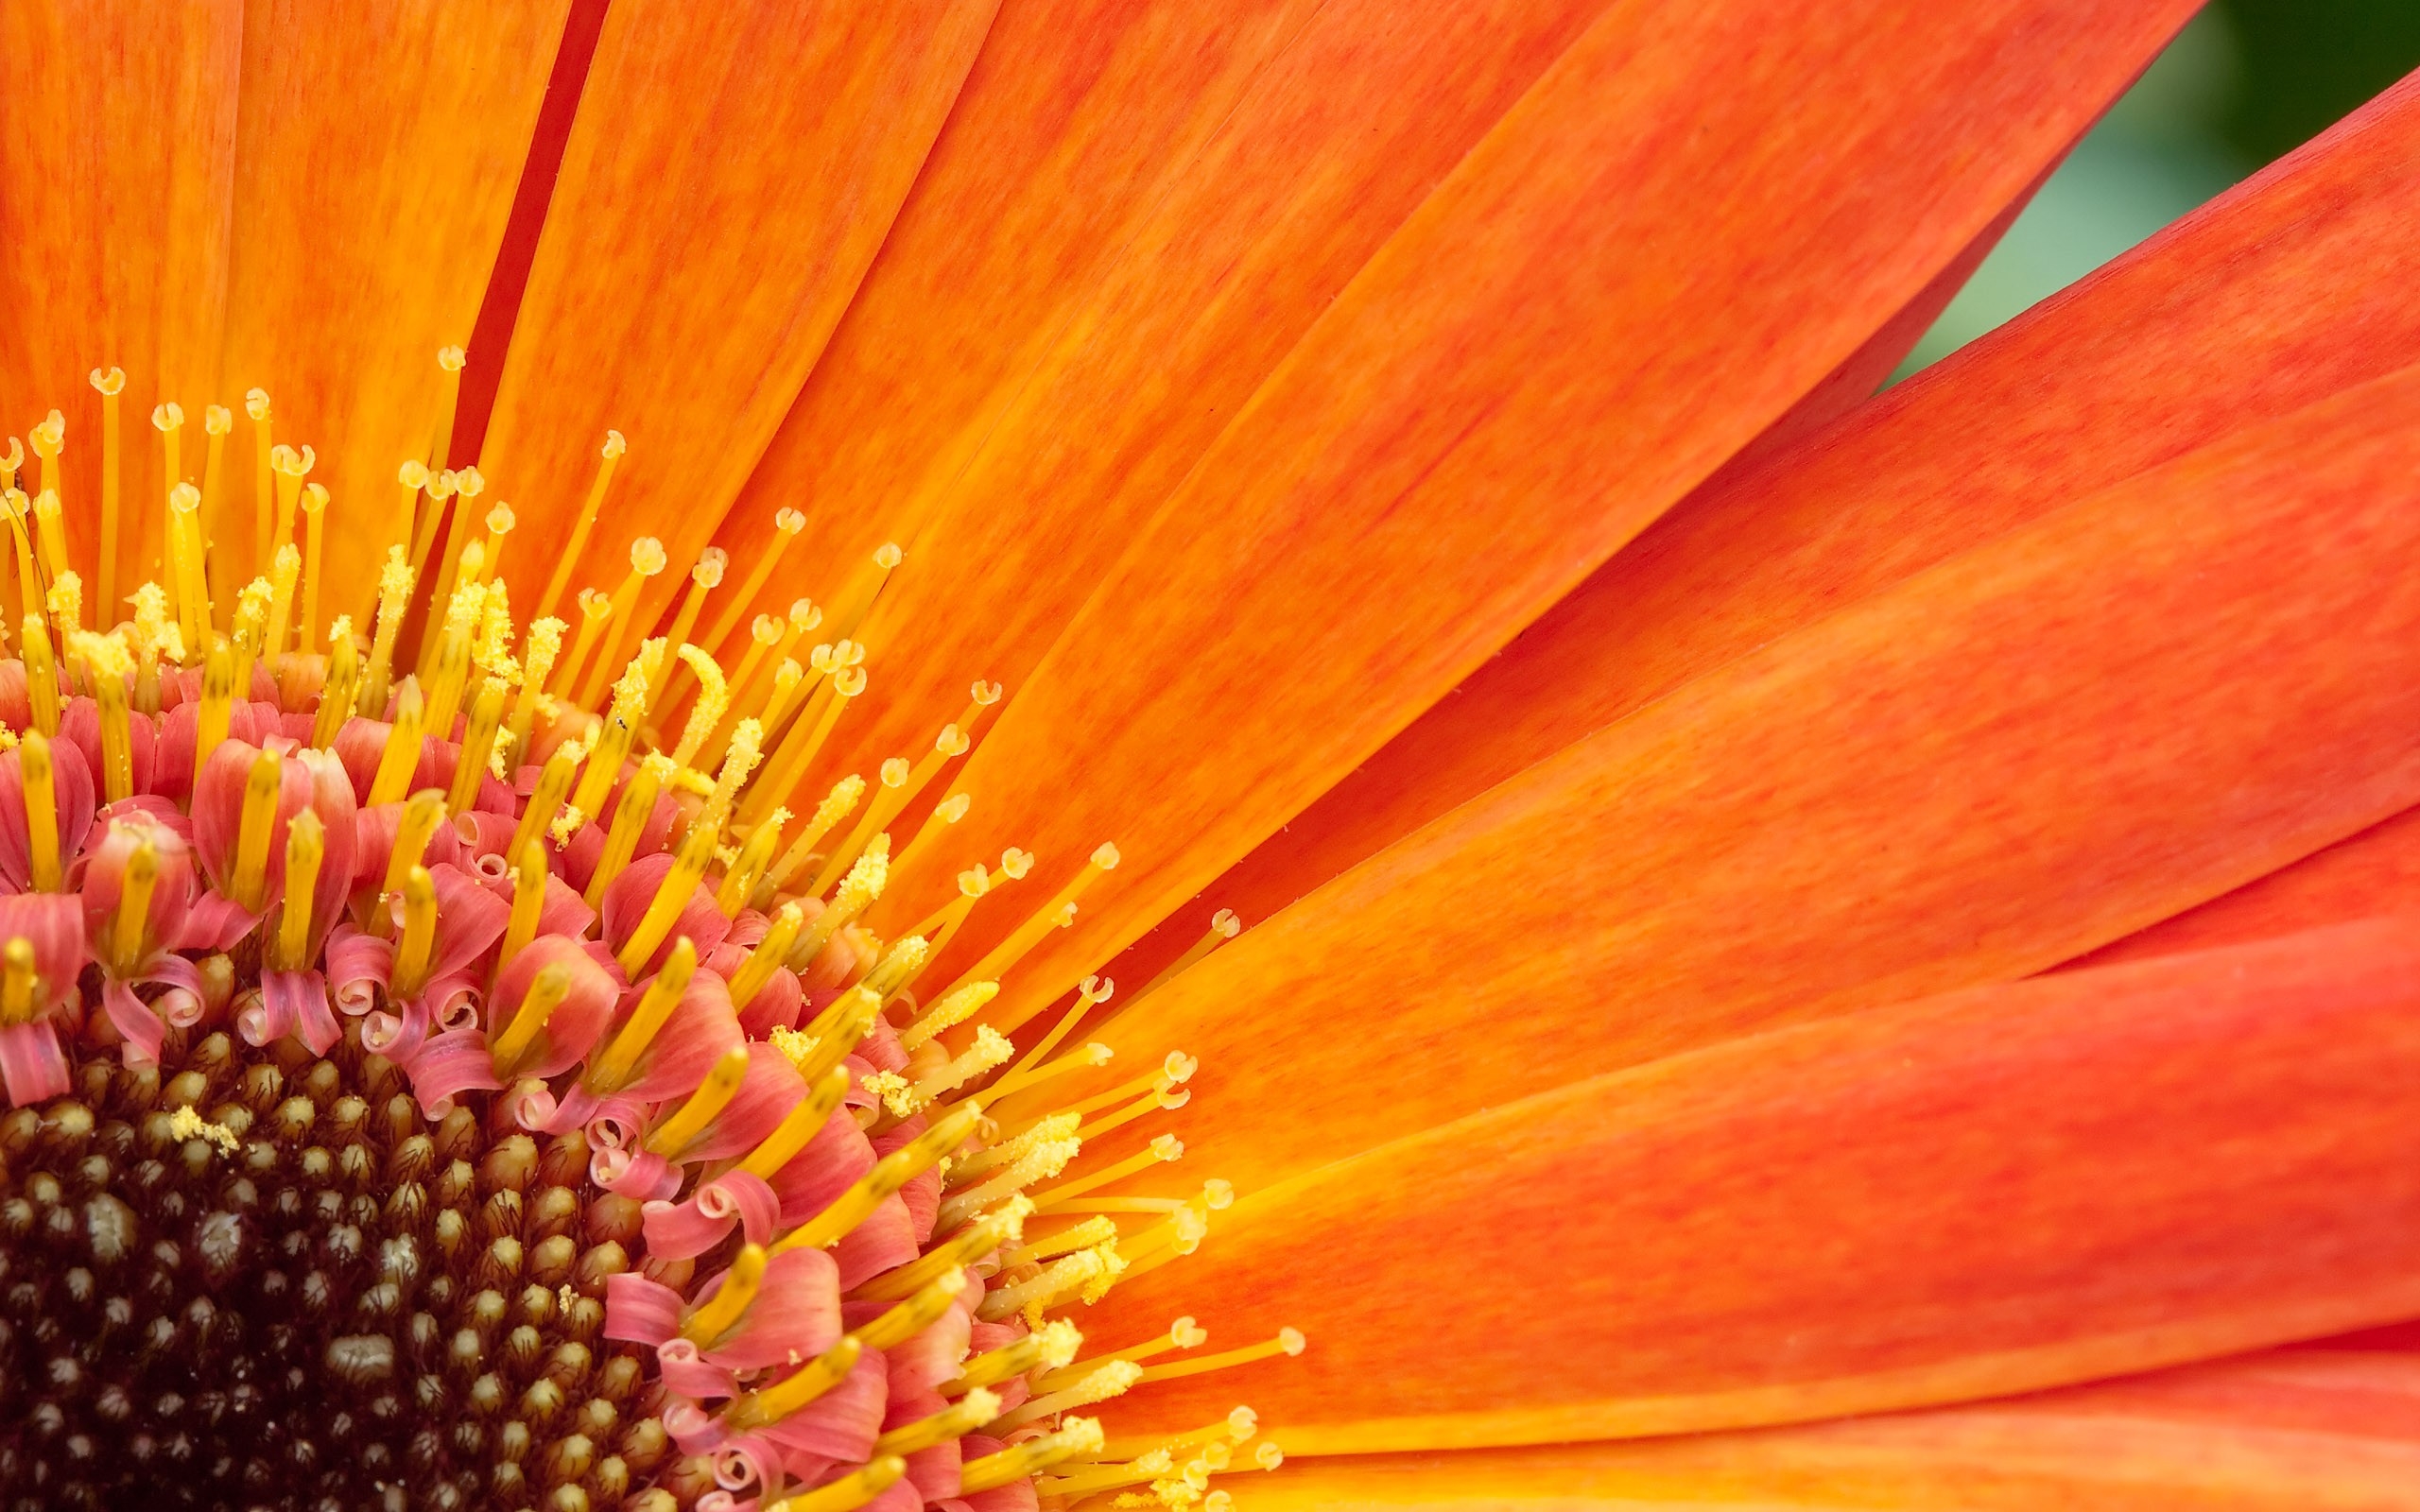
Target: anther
(979,1407)
(305,846)
(610,1070)
(251,878)
(889,1175)
(671,897)
(719,1313)
(402,755)
(680,1127)
(800,1126)
(1078,1435)
(768,957)
(770,1405)
(631,816)
(547,992)
(419,943)
(850,1491)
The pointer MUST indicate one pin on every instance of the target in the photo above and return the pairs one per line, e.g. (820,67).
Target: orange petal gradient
(2283,1432)
(118,146)
(1644,252)
(376,161)
(2016,1187)
(731,172)
(2149,698)
(2287,289)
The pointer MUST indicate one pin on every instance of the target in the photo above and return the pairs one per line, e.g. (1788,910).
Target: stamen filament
(1101,1385)
(767,958)
(306,847)
(315,506)
(719,1313)
(1058,913)
(1090,993)
(739,883)
(41,676)
(110,383)
(1049,1347)
(786,524)
(850,1491)
(798,1389)
(412,956)
(595,609)
(799,1125)
(865,883)
(264,475)
(833,808)
(1078,1435)
(647,560)
(889,1175)
(610,1071)
(547,992)
(251,880)
(611,455)
(979,1408)
(17,981)
(1289,1341)
(682,1126)
(209,584)
(1164,1148)
(798,749)
(1224,926)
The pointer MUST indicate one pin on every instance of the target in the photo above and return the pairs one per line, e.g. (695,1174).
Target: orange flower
(1806,950)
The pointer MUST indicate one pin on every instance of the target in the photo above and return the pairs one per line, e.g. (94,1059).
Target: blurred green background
(2247,81)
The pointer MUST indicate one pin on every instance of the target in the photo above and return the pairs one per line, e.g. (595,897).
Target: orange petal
(375,168)
(1076,120)
(2015,1187)
(2280,1432)
(118,146)
(2041,745)
(1644,262)
(732,171)
(1338,138)
(2377,871)
(2286,291)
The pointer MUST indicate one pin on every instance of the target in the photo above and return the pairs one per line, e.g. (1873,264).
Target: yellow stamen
(864,885)
(1156,1101)
(315,506)
(714,697)
(468,485)
(449,394)
(394,601)
(1002,1227)
(990,1048)
(412,955)
(107,667)
(1224,926)
(680,1127)
(528,901)
(41,676)
(786,524)
(438,491)
(547,992)
(217,700)
(719,1313)
(800,1126)
(402,755)
(594,609)
(30,594)
(760,691)
(889,1175)
(833,808)
(953,1009)
(647,561)
(285,569)
(857,600)
(1048,1347)
(916,1315)
(613,746)
(1061,1278)
(611,1070)
(130,929)
(1058,913)
(344,681)
(980,1407)
(1289,1341)
(1084,1235)
(1100,1384)
(251,880)
(1078,1435)
(110,383)
(216,421)
(538,659)
(554,782)
(49,439)
(1162,1148)
(51,520)
(840,680)
(500,521)
(305,846)
(611,455)
(739,883)
(766,958)
(186,553)
(704,578)
(850,1491)
(479,744)
(291,468)
(264,473)
(17,981)
(1091,993)
(630,818)
(422,813)
(834,1032)
(797,1389)
(671,897)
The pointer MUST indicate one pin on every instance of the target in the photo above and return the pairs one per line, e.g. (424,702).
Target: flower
(1806,951)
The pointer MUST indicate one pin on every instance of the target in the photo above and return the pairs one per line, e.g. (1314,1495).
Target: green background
(2247,81)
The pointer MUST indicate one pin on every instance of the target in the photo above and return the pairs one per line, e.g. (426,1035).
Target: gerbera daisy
(1804,951)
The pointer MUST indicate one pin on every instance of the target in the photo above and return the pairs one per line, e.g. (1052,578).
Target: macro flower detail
(1009,756)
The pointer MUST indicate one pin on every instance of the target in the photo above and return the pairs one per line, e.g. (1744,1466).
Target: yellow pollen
(1040,1161)
(833,808)
(554,783)
(990,1048)
(184,1123)
(864,885)
(1109,1381)
(714,697)
(1046,1348)
(954,1009)
(538,659)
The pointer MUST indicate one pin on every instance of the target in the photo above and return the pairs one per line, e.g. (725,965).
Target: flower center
(445,1074)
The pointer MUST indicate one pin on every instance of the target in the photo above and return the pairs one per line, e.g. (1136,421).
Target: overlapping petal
(1991,1191)
(1417,455)
(2024,753)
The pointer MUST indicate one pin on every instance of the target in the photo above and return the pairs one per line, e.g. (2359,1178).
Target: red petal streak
(2044,745)
(1996,1190)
